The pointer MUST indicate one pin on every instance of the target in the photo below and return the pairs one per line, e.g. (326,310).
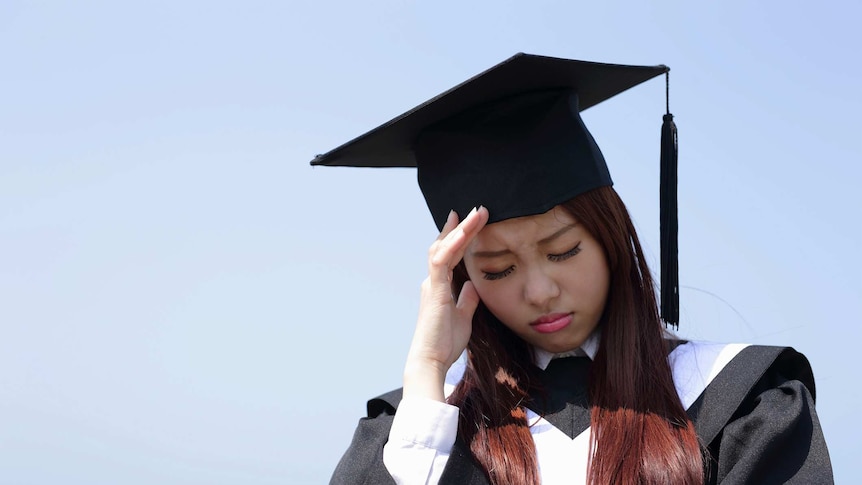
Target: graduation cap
(512,139)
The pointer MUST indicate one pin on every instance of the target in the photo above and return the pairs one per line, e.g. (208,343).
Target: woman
(569,376)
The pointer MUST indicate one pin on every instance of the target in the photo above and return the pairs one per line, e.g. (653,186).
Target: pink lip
(552,322)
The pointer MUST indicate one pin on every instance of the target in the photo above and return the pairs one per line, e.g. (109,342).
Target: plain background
(184,300)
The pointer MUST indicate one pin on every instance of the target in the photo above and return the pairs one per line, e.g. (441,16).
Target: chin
(559,347)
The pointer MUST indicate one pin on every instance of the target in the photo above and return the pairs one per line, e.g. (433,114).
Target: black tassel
(669,224)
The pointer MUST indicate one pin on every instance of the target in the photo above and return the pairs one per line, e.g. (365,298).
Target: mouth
(551,322)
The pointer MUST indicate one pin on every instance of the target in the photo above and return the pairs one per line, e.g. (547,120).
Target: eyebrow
(502,252)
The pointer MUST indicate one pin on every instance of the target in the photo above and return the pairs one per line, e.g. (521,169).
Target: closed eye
(501,274)
(564,256)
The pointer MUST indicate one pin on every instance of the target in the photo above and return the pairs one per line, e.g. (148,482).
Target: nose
(540,288)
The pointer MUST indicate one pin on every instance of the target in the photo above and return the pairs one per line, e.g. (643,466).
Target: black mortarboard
(512,139)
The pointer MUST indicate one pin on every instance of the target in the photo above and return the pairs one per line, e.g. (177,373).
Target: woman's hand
(444,324)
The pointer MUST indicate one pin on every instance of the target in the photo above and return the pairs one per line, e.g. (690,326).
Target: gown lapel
(561,395)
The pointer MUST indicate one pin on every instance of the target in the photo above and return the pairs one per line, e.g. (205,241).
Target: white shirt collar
(588,349)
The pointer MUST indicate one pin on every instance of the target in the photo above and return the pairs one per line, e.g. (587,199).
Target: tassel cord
(669,228)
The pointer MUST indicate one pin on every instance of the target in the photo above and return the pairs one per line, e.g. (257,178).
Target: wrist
(424,379)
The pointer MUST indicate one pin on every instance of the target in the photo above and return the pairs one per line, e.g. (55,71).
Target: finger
(464,234)
(433,258)
(451,223)
(448,250)
(468,301)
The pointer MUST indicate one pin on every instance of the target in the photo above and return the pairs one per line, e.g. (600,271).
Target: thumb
(468,300)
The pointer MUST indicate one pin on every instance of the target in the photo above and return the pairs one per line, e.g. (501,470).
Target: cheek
(488,293)
(498,296)
(594,285)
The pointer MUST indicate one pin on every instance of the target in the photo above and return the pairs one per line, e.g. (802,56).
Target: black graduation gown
(757,415)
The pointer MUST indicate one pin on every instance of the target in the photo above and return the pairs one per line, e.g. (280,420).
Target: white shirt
(423,431)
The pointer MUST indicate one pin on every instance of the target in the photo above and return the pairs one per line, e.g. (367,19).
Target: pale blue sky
(184,300)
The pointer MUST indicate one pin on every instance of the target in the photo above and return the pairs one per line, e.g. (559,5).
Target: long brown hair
(643,432)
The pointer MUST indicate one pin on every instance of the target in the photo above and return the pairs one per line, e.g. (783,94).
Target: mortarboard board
(512,139)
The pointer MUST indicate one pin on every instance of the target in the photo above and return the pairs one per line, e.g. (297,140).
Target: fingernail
(475,209)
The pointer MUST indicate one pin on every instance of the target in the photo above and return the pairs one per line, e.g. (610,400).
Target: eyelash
(551,257)
(568,254)
(501,274)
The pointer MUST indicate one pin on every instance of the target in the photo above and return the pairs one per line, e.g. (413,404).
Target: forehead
(527,229)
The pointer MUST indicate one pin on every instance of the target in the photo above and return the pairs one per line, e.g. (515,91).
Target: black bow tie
(562,395)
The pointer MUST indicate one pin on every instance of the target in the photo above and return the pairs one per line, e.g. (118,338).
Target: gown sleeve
(409,447)
(362,463)
(774,437)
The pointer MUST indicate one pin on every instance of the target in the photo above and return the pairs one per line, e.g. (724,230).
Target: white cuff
(420,440)
(425,422)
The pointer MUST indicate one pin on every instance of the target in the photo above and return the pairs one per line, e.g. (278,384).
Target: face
(544,276)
